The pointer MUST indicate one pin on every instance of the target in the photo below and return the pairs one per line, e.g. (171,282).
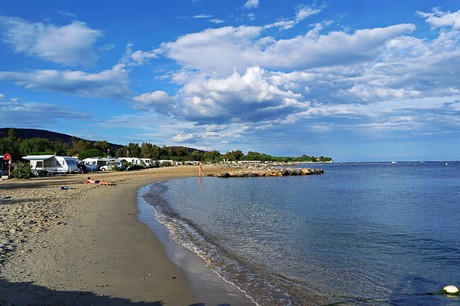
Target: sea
(381,233)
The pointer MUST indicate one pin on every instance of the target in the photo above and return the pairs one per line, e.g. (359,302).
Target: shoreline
(207,285)
(85,244)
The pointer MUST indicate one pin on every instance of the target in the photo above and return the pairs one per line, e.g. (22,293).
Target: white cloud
(136,58)
(113,83)
(440,19)
(141,57)
(216,21)
(209,17)
(372,93)
(68,45)
(183,138)
(251,4)
(238,98)
(241,80)
(159,100)
(14,113)
(218,49)
(202,16)
(224,49)
(303,12)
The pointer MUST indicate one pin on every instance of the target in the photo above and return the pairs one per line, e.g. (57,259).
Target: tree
(36,146)
(195,156)
(103,146)
(155,152)
(60,148)
(146,150)
(258,156)
(234,155)
(132,150)
(212,156)
(89,153)
(10,144)
(80,145)
(164,152)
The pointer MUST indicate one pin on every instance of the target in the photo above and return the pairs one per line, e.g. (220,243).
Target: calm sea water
(359,234)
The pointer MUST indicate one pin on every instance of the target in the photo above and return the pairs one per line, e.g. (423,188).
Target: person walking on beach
(200,170)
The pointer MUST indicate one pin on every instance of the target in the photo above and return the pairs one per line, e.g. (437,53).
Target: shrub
(21,171)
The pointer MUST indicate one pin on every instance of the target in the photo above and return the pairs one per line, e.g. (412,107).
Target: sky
(356,80)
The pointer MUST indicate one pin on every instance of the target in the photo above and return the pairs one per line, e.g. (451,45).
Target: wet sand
(83,244)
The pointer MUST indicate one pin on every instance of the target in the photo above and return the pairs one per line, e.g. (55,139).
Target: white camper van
(51,164)
(95,163)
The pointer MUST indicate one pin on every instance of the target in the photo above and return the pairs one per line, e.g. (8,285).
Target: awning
(38,157)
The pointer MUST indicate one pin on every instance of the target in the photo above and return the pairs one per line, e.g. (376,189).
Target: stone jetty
(268,172)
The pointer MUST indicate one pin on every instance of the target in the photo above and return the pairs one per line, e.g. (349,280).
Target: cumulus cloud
(245,46)
(237,98)
(238,83)
(205,50)
(159,100)
(184,138)
(250,80)
(70,45)
(112,83)
(235,80)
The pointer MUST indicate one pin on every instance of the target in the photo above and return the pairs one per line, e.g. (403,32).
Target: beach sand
(83,244)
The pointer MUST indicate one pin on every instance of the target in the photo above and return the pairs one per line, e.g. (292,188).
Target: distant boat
(393,162)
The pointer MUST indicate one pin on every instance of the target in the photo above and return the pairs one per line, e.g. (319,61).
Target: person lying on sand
(98,182)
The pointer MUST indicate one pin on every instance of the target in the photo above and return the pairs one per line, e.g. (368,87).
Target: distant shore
(68,243)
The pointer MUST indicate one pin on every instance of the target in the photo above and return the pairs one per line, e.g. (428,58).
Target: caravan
(51,164)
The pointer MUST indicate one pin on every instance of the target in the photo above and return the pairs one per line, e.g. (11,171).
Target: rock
(270,172)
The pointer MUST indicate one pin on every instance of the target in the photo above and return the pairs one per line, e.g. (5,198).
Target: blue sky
(356,80)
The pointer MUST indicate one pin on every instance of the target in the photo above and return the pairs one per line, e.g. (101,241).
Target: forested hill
(22,142)
(52,136)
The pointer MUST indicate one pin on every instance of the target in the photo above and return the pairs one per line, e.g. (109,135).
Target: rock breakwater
(269,172)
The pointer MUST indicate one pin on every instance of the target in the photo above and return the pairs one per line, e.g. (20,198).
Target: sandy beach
(83,244)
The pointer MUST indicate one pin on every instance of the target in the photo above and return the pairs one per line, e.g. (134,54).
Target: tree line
(18,148)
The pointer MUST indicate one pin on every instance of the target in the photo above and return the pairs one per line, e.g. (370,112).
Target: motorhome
(95,163)
(116,164)
(149,163)
(166,162)
(51,164)
(132,160)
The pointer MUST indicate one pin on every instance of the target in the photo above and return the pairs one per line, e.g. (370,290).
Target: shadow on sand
(29,294)
(26,293)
